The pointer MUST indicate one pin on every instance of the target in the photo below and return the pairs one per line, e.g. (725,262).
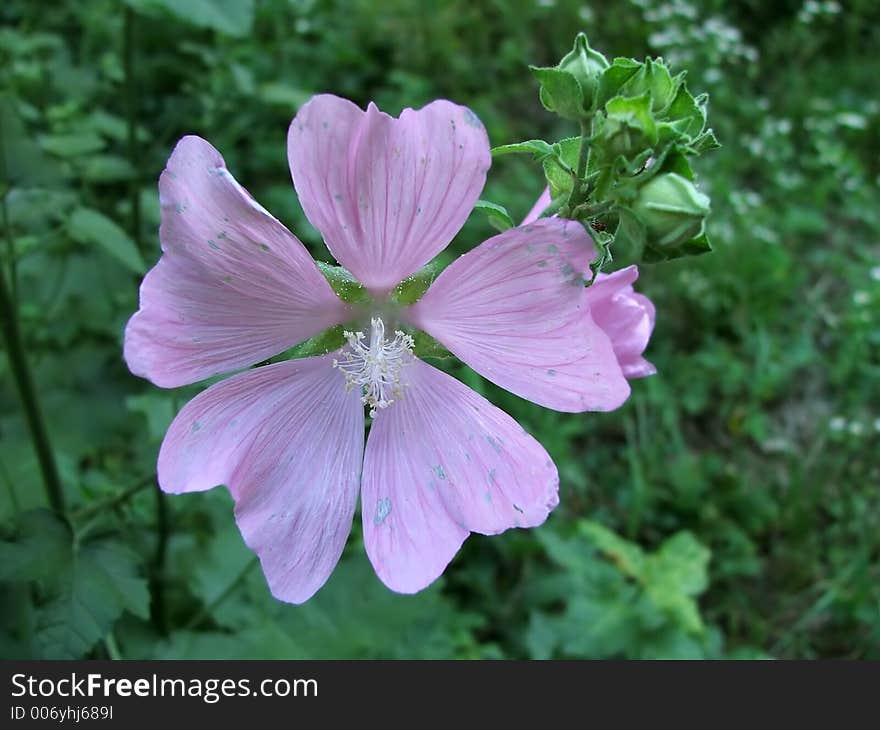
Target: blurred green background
(729,509)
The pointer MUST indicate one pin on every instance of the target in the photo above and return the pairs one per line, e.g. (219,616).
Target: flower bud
(672,210)
(586,65)
(654,79)
(627,127)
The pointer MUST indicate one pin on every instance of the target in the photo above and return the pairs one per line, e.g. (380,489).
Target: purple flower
(234,287)
(625,316)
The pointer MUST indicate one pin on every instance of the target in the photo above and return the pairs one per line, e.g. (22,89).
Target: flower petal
(541,203)
(440,462)
(514,309)
(287,440)
(233,286)
(626,317)
(387,194)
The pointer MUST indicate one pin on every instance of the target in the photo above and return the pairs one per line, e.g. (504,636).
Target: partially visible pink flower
(234,287)
(625,316)
(540,205)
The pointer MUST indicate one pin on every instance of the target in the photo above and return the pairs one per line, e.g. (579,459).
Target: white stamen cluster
(375,367)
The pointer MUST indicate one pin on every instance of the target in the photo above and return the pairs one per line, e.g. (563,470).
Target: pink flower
(625,316)
(234,287)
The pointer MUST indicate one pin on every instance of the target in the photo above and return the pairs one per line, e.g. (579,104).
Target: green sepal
(343,283)
(627,128)
(587,66)
(411,289)
(654,79)
(560,167)
(560,92)
(322,343)
(497,215)
(426,346)
(614,77)
(694,247)
(688,112)
(629,236)
(538,148)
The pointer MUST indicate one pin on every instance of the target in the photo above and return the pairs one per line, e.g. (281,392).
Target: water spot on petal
(492,476)
(439,471)
(196,426)
(494,443)
(487,498)
(383,509)
(472,119)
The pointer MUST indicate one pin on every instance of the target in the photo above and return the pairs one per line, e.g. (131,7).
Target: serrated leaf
(624,554)
(498,216)
(99,583)
(88,226)
(538,148)
(84,588)
(40,543)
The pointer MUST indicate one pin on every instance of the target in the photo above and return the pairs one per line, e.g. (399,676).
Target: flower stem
(25,384)
(131,120)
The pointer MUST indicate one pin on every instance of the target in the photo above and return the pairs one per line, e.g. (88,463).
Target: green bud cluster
(628,174)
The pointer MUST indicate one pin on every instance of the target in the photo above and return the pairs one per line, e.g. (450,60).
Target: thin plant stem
(116,499)
(24,382)
(131,121)
(229,590)
(157,605)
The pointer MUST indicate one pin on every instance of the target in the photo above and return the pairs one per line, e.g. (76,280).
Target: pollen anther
(375,367)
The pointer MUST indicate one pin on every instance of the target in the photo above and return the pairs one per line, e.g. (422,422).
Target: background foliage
(730,509)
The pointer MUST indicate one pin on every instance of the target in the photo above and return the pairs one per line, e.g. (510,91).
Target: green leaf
(232,17)
(536,147)
(88,226)
(560,92)
(25,162)
(628,557)
(676,573)
(72,145)
(40,542)
(498,216)
(83,588)
(105,168)
(98,583)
